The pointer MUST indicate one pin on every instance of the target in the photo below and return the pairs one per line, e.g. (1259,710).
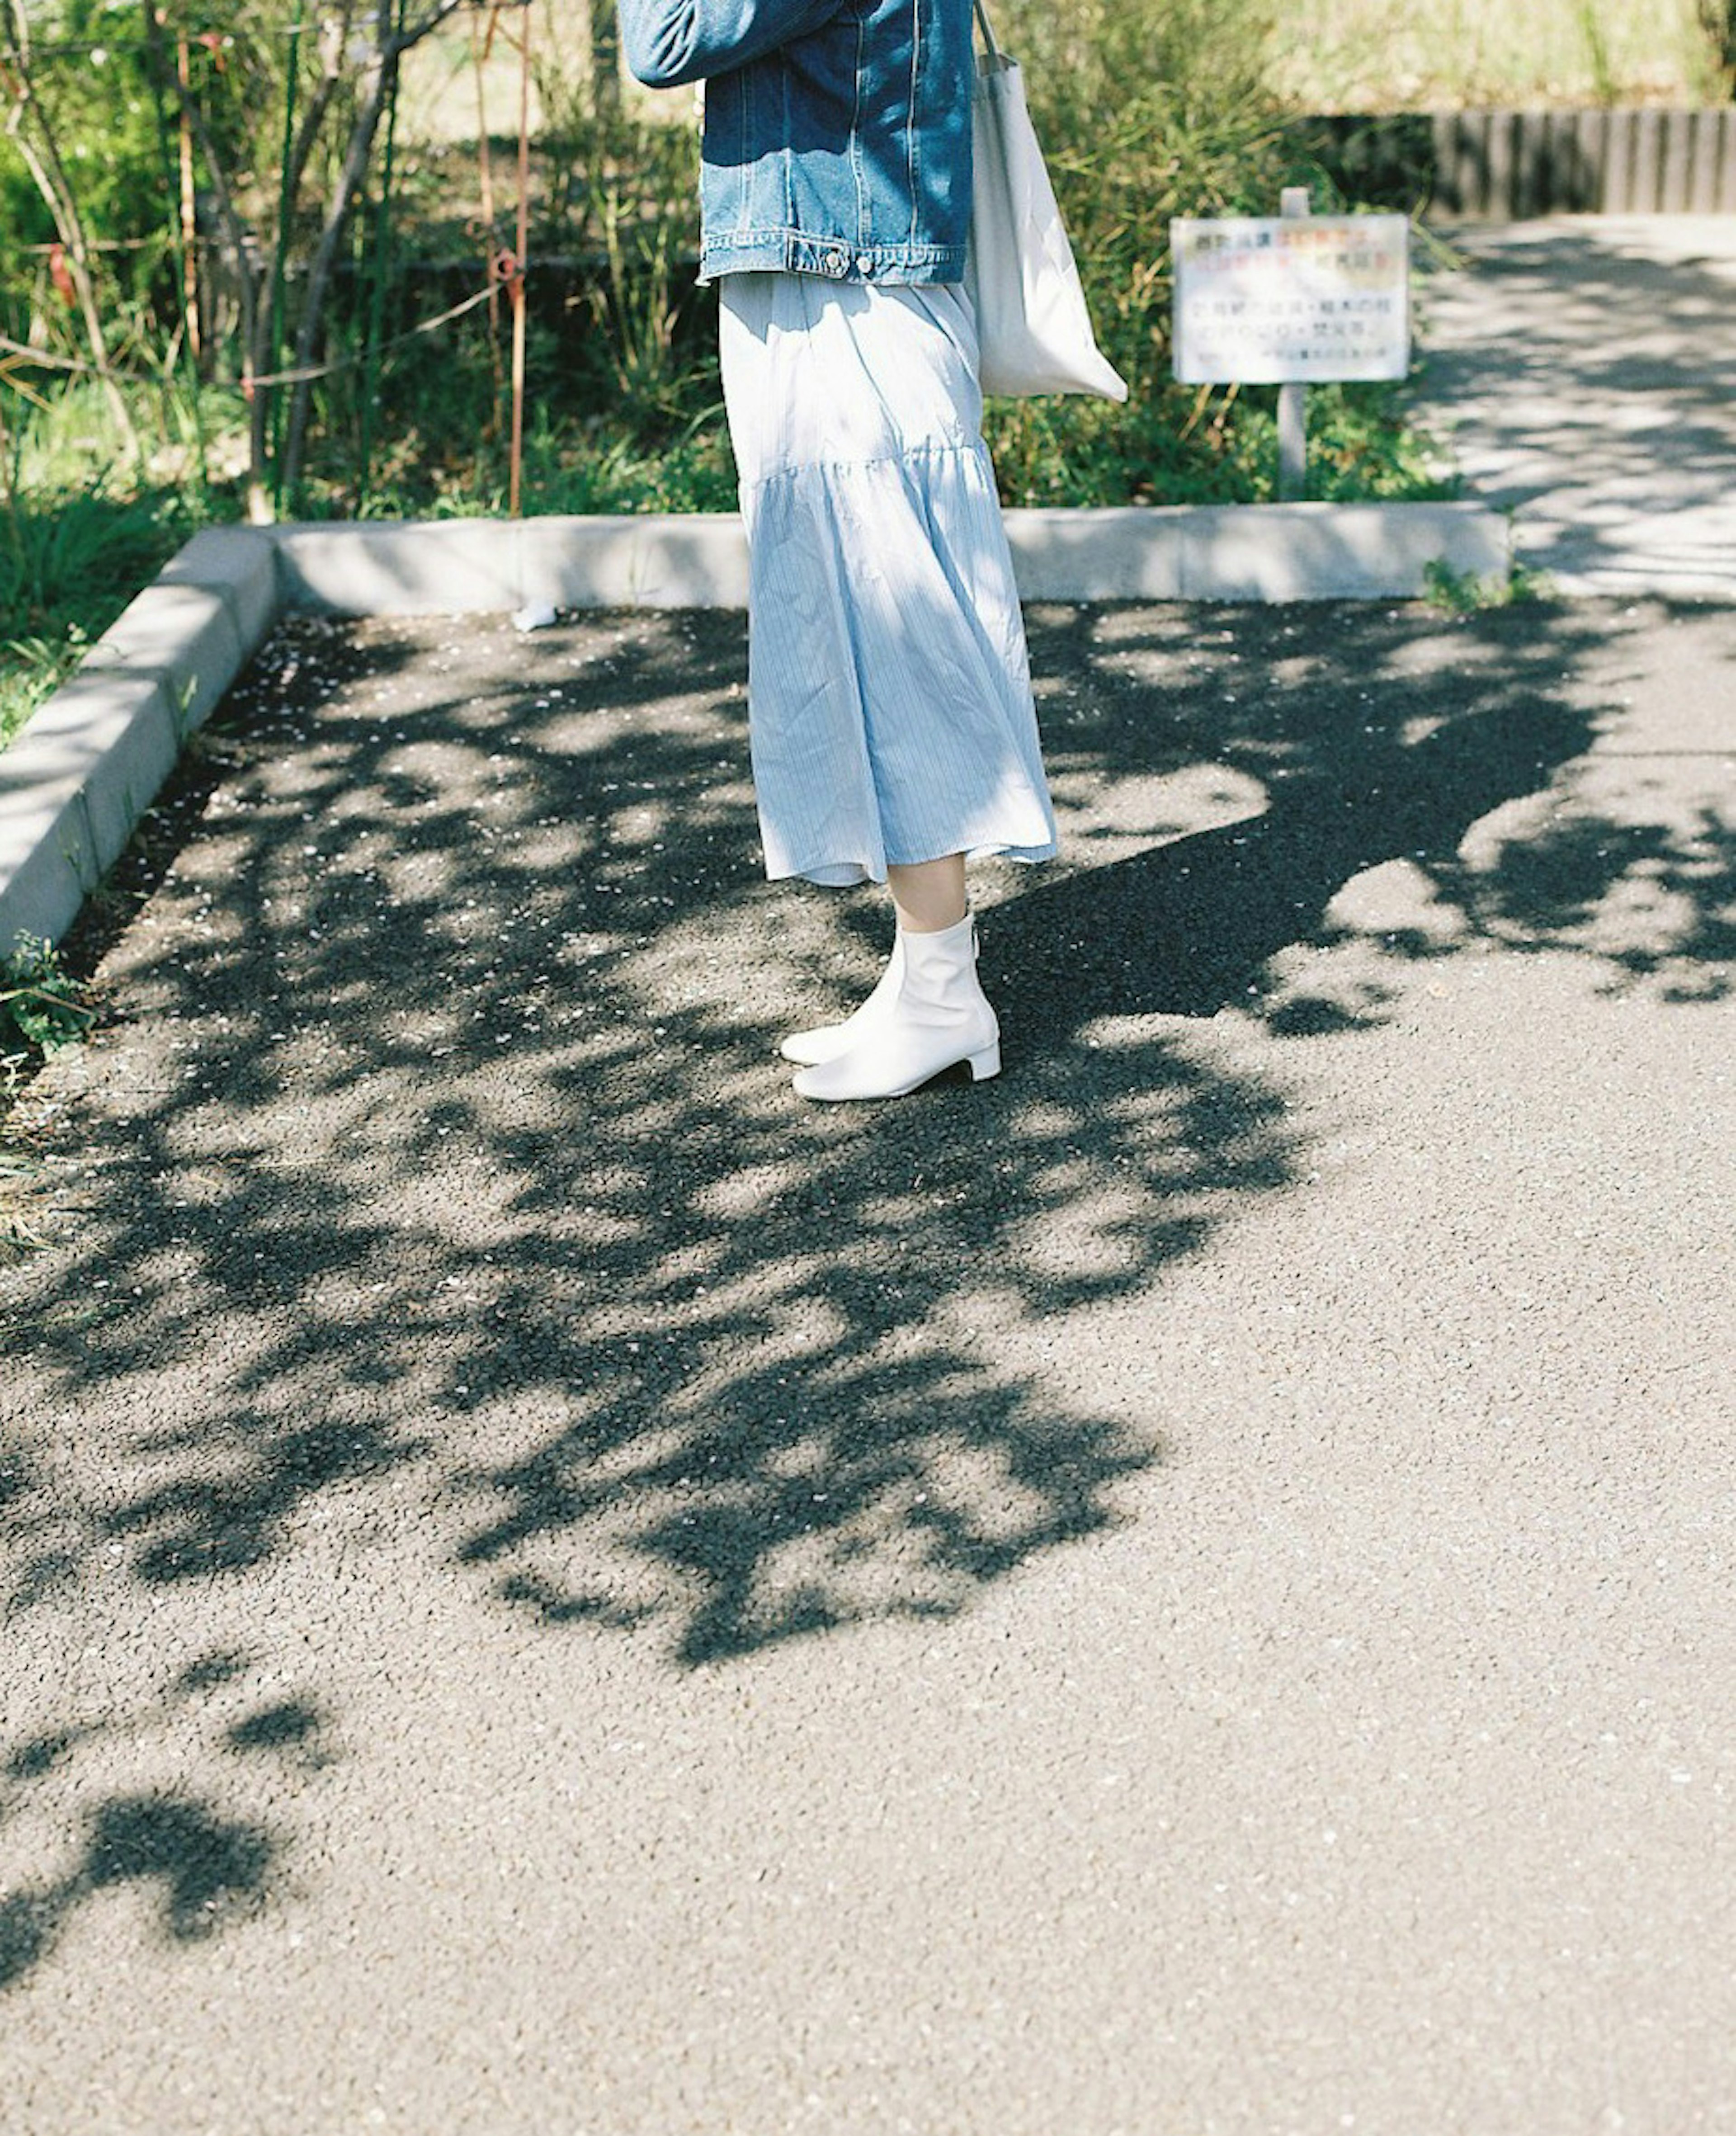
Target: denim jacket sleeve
(668,42)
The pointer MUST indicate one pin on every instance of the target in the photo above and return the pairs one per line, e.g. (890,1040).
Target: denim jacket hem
(810,252)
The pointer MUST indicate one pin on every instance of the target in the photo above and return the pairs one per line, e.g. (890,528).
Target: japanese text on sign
(1263,301)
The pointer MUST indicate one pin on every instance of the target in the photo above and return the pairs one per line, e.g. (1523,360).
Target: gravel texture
(553,1587)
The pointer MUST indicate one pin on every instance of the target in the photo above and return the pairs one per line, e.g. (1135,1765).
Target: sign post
(1293,398)
(1287,301)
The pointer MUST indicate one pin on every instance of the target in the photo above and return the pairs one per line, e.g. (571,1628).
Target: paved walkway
(1586,370)
(550,1587)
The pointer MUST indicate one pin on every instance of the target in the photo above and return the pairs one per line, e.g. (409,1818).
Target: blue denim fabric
(837,136)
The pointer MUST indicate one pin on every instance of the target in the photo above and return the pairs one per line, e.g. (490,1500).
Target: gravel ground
(553,1587)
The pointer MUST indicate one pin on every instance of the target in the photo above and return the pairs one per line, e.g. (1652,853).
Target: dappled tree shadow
(1343,780)
(1603,343)
(208,1867)
(208,1870)
(1654,902)
(441,1159)
(509,1189)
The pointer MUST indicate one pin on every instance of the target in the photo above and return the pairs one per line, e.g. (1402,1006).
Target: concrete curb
(88,762)
(1253,552)
(1275,552)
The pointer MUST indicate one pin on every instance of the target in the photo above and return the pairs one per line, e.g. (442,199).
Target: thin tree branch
(41,158)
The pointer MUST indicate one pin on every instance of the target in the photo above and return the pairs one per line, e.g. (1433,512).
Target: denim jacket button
(863,265)
(836,263)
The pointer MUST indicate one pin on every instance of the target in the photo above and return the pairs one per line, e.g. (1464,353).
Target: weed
(31,669)
(42,1005)
(1467,593)
(24,1174)
(21,1188)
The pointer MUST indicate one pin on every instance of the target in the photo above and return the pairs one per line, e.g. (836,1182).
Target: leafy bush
(1150,109)
(107,114)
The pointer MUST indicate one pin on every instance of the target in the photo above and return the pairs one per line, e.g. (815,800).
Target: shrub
(1150,109)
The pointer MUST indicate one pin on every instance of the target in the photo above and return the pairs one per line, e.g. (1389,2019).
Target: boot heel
(933,1021)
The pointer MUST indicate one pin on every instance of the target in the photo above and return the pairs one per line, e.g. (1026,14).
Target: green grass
(43,1006)
(81,532)
(70,562)
(1463,592)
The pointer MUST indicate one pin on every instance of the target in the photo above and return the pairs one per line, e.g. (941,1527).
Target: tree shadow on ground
(442,1162)
(1584,317)
(209,1867)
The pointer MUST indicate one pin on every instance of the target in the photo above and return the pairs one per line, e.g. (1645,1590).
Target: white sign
(1285,299)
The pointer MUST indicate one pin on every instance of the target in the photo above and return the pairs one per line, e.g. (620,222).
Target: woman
(892,728)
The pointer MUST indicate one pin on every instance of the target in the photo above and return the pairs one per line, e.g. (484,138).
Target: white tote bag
(1032,325)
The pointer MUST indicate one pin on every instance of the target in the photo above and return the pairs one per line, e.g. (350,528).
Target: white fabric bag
(1031,320)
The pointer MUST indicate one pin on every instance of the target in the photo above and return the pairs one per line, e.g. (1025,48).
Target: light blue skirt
(890,705)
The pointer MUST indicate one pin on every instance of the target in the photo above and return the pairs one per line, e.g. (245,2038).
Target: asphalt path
(551,1586)
(1583,372)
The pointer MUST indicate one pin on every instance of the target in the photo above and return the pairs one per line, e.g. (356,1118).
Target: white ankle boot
(828,1040)
(934,1016)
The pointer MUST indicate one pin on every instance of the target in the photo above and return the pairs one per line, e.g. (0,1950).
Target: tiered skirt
(890,709)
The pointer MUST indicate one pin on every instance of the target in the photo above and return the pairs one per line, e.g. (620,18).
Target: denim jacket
(837,133)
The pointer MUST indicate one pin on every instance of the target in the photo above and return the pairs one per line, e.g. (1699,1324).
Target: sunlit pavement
(554,1587)
(1583,371)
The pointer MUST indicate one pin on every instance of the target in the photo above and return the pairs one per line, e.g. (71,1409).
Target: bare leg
(929,895)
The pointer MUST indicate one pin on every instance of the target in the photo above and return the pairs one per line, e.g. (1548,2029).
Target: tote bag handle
(989,46)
